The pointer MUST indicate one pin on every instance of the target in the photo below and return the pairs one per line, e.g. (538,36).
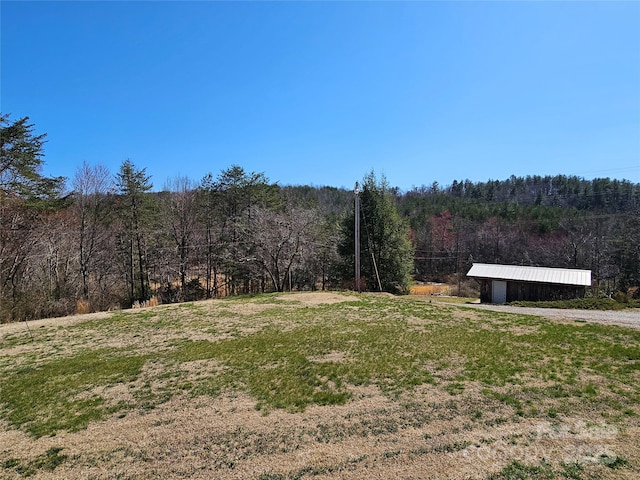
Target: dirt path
(625,318)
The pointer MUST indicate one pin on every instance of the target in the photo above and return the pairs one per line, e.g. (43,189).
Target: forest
(108,240)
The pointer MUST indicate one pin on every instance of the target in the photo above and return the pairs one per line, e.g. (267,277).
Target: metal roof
(564,276)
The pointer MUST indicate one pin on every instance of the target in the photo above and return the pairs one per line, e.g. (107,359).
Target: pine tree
(386,253)
(25,196)
(21,152)
(132,184)
(233,196)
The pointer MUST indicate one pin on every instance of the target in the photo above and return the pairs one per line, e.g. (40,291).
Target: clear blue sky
(322,92)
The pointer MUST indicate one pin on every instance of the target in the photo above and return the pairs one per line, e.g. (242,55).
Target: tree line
(103,240)
(556,221)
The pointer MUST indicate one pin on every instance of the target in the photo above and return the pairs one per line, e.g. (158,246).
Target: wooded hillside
(559,221)
(114,239)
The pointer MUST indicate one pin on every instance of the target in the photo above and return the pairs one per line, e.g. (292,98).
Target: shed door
(499,291)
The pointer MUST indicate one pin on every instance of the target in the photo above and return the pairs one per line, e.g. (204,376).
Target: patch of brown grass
(430,289)
(82,307)
(331,357)
(416,436)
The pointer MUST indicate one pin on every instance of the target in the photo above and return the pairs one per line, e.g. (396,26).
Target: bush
(195,290)
(468,289)
(582,304)
(170,293)
(621,297)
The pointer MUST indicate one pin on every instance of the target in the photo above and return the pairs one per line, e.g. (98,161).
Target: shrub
(621,297)
(581,304)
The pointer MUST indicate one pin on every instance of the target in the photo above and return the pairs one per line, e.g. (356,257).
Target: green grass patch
(451,299)
(582,304)
(507,399)
(290,356)
(613,462)
(48,461)
(519,471)
(46,399)
(278,368)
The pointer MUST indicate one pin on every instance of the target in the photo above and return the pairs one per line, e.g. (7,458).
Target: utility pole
(357,236)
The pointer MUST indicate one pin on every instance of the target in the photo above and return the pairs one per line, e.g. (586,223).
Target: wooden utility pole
(357,236)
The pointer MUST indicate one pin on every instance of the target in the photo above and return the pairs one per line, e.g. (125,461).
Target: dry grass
(430,289)
(453,427)
(83,307)
(373,437)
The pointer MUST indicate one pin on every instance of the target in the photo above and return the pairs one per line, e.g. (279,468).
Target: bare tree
(181,223)
(17,243)
(209,215)
(25,195)
(52,267)
(280,238)
(579,235)
(91,185)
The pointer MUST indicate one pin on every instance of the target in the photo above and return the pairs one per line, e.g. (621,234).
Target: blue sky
(322,92)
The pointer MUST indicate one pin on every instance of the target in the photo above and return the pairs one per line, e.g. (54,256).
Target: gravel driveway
(624,318)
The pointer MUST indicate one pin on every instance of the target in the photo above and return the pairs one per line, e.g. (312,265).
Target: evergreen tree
(132,184)
(386,253)
(21,162)
(234,196)
(25,197)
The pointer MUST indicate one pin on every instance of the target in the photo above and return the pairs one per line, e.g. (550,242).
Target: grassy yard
(320,385)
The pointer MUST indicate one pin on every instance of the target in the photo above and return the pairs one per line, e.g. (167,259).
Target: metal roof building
(507,283)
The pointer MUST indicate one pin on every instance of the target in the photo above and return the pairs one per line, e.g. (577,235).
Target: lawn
(318,385)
